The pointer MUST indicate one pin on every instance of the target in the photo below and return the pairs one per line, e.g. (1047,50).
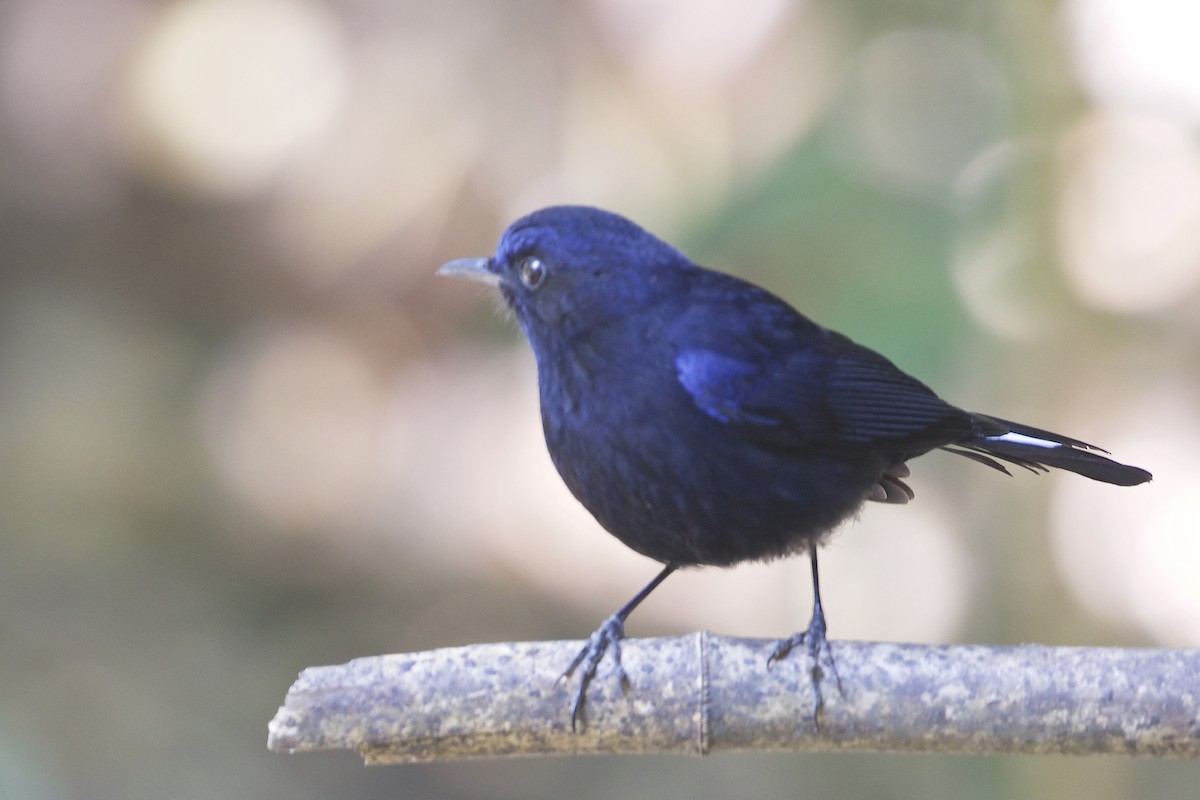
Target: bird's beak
(475,269)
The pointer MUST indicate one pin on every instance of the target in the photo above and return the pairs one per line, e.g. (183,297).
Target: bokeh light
(395,158)
(293,418)
(996,267)
(1138,55)
(682,42)
(223,92)
(1130,211)
(920,104)
(1136,563)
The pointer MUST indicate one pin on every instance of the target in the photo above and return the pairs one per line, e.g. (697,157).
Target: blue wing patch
(721,386)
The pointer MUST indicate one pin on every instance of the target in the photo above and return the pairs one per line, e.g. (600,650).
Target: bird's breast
(670,481)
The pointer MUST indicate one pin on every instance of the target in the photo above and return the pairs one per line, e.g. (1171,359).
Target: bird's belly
(676,496)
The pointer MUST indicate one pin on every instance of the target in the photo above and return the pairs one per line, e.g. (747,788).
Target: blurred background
(246,430)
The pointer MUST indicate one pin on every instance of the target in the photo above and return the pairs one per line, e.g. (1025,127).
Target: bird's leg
(815,643)
(608,636)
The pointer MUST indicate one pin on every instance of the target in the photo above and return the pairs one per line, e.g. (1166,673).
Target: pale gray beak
(475,269)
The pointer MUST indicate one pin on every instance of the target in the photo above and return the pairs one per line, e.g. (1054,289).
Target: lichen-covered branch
(703,693)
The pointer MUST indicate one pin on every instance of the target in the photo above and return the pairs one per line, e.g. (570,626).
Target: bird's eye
(532,272)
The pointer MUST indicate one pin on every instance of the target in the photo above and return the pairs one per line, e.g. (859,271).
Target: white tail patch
(1020,438)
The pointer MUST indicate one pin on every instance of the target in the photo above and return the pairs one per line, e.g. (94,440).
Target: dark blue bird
(704,421)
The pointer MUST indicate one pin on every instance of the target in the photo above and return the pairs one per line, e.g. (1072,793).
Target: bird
(703,421)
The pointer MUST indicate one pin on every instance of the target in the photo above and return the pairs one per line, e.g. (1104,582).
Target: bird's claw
(815,645)
(607,637)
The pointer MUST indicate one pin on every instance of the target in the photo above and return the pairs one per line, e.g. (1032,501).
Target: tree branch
(703,693)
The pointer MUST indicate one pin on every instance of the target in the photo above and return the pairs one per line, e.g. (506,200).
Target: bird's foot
(816,646)
(607,637)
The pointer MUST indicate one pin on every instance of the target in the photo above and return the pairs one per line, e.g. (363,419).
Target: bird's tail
(1037,450)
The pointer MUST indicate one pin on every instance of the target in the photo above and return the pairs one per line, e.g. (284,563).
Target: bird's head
(565,269)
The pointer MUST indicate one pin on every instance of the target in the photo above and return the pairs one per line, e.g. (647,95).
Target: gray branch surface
(704,693)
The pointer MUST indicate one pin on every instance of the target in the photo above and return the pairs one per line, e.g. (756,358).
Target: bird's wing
(875,402)
(828,391)
(741,391)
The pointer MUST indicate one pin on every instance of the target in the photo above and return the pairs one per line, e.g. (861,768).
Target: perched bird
(704,421)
